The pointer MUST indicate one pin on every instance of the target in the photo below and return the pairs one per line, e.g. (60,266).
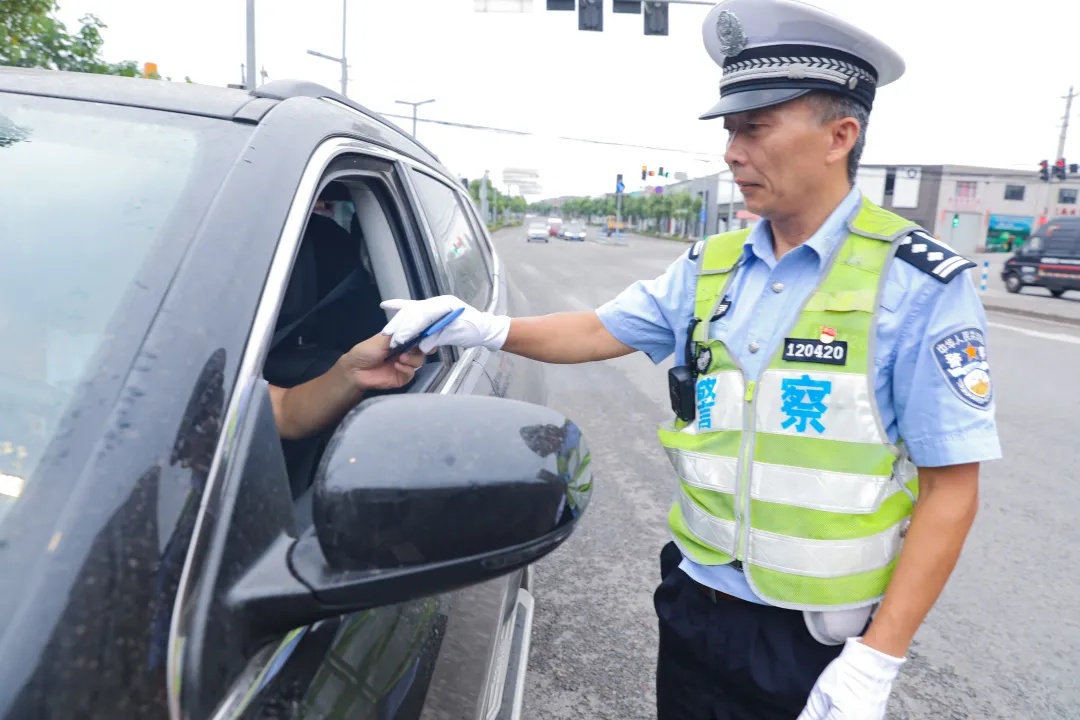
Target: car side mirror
(419,481)
(420,495)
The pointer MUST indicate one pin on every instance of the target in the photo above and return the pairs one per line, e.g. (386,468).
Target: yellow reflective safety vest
(792,473)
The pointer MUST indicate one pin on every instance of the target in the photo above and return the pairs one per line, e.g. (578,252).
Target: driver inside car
(319,365)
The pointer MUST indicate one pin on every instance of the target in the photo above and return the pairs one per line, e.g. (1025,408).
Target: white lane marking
(1060,337)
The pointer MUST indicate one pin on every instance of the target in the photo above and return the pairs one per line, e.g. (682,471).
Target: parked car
(574,231)
(169,249)
(1050,259)
(537,231)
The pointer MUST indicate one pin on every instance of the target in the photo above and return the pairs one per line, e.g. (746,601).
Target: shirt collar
(823,242)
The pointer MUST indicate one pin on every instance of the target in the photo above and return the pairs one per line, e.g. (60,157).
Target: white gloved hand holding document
(472,328)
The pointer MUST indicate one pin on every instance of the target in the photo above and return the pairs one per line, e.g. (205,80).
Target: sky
(983,86)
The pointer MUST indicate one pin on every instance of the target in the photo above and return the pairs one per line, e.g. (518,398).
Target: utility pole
(1065,123)
(731,204)
(1048,210)
(414,106)
(250,67)
(343,61)
(484,196)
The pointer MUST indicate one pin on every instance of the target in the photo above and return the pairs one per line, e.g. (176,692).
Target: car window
(93,196)
(457,241)
(1062,240)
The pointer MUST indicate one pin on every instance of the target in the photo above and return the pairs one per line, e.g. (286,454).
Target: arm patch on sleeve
(961,358)
(932,256)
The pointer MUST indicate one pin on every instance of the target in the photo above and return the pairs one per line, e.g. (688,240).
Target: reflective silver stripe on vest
(716,533)
(711,472)
(821,489)
(803,487)
(824,405)
(813,558)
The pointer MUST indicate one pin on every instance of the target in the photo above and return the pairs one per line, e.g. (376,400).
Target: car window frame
(480,227)
(483,243)
(242,403)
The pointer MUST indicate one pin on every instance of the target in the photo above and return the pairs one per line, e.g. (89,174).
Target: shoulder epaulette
(932,256)
(695,250)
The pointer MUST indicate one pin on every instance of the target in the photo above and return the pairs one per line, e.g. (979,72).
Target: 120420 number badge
(828,352)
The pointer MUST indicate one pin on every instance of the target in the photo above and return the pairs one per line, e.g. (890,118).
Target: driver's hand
(367,366)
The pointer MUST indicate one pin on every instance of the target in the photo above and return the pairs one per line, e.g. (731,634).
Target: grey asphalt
(1003,640)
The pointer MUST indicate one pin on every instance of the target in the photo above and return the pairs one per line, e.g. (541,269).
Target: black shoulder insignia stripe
(696,249)
(932,256)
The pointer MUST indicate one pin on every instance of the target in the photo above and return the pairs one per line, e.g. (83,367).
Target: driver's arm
(321,403)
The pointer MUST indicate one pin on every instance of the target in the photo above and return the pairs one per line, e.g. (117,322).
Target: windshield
(91,194)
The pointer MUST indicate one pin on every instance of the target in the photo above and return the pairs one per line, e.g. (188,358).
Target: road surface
(1002,642)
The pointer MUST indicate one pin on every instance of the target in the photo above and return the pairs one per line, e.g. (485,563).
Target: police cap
(772,51)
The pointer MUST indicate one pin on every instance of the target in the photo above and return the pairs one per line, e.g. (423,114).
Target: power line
(526,133)
(927,172)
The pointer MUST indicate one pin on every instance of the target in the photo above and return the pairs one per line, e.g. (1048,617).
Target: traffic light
(1059,169)
(590,15)
(956,220)
(1074,168)
(644,172)
(560,4)
(662,171)
(630,7)
(1044,170)
(656,18)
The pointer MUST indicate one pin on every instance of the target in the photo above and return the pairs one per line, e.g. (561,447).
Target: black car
(1049,259)
(166,251)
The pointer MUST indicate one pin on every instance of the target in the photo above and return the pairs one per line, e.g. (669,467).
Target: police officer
(830,370)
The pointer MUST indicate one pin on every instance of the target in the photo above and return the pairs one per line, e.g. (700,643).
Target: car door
(376,664)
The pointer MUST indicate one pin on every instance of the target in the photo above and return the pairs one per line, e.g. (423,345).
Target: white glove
(854,686)
(472,328)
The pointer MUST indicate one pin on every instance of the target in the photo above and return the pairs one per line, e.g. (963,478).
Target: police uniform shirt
(926,324)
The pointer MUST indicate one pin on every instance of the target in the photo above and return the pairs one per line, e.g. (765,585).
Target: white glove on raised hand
(472,328)
(854,686)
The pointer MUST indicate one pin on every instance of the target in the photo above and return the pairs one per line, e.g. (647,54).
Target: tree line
(499,201)
(32,37)
(646,210)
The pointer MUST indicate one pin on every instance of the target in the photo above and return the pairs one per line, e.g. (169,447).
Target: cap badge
(730,32)
(797,71)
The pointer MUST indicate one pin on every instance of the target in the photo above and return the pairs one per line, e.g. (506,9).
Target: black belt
(718,596)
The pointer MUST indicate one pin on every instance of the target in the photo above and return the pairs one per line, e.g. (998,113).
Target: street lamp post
(415,105)
(250,80)
(343,61)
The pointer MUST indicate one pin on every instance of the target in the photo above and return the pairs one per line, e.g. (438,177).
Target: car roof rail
(285,89)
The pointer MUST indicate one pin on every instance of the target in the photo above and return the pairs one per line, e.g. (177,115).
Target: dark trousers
(730,659)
